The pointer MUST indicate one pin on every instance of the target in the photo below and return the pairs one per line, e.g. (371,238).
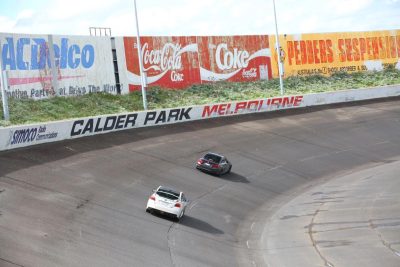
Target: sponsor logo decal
(251,106)
(105,124)
(237,59)
(67,56)
(163,116)
(127,121)
(26,54)
(30,135)
(168,58)
(251,73)
(231,62)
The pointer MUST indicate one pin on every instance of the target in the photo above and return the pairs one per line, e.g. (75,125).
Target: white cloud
(25,14)
(347,7)
(6,23)
(204,17)
(61,9)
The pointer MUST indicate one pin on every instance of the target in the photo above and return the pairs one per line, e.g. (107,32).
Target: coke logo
(251,73)
(231,60)
(168,58)
(176,77)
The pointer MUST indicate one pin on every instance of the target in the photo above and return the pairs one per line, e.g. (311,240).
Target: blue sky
(197,17)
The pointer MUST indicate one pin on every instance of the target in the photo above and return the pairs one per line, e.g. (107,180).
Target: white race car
(167,201)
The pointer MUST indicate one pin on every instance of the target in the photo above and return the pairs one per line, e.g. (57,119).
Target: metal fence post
(54,75)
(4,85)
(139,49)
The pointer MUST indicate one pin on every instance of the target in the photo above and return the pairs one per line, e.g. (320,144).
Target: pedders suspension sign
(170,62)
(234,58)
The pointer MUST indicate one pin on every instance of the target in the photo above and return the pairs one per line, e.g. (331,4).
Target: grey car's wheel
(229,170)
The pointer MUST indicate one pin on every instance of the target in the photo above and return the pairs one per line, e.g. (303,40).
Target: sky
(197,17)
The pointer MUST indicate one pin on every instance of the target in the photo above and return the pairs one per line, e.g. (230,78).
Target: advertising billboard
(170,62)
(82,65)
(327,53)
(234,58)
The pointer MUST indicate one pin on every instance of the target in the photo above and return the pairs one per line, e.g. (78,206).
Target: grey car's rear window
(213,158)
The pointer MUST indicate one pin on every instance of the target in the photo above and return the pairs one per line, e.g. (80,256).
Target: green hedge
(57,108)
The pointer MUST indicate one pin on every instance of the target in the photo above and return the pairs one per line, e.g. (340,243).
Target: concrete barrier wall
(40,133)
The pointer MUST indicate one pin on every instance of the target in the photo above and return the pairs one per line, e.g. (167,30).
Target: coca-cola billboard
(234,58)
(170,62)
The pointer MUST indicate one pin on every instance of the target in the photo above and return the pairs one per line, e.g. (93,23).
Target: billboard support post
(278,51)
(54,76)
(4,86)
(142,77)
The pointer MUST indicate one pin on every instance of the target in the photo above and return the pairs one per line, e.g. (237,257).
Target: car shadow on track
(233,177)
(200,225)
(191,222)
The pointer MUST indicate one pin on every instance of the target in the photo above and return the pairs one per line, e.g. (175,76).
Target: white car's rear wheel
(178,217)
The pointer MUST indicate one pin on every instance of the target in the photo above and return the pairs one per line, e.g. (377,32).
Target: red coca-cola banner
(178,62)
(170,62)
(234,58)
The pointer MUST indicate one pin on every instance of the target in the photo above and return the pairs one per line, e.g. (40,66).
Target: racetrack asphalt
(82,202)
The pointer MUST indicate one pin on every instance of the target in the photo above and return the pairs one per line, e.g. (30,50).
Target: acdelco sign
(225,59)
(67,55)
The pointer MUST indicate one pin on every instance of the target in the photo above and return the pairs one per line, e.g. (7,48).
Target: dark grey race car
(214,163)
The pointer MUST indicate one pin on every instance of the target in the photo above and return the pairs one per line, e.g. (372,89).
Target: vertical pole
(4,85)
(54,74)
(142,77)
(278,51)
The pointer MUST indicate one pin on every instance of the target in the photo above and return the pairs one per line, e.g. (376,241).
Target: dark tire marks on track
(81,202)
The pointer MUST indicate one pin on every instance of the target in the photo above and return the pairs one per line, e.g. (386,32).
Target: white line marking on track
(276,167)
(251,227)
(191,207)
(381,143)
(195,202)
(247,244)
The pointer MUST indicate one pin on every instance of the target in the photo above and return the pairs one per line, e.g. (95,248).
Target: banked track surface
(81,202)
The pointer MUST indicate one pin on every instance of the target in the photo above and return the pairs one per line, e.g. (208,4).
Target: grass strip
(24,111)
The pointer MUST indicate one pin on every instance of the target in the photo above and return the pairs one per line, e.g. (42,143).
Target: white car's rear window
(168,195)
